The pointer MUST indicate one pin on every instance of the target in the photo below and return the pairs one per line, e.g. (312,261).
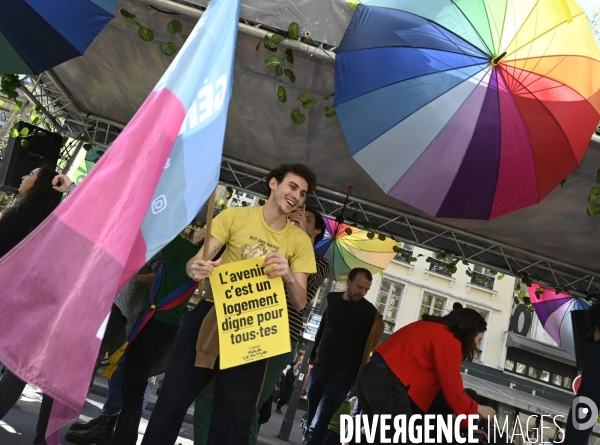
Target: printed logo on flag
(159,204)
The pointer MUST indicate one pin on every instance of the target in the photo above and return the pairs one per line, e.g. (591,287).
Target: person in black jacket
(287,386)
(580,427)
(37,199)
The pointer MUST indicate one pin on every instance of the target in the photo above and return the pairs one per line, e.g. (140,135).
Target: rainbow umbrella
(554,311)
(347,247)
(468,108)
(36,35)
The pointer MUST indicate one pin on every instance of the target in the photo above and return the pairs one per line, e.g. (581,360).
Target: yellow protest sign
(251,313)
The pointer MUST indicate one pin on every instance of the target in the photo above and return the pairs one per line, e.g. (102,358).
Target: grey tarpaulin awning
(537,347)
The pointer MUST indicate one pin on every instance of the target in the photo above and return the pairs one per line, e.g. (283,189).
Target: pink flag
(58,285)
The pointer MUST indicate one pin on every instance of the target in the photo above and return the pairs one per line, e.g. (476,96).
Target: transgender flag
(58,285)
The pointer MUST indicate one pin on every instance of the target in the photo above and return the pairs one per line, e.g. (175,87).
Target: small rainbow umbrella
(347,247)
(468,108)
(554,312)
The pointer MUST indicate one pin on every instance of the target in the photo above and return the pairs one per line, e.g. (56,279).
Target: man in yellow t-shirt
(247,232)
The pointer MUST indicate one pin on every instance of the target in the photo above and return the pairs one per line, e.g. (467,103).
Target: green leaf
(329,111)
(396,249)
(522,293)
(18,105)
(272,61)
(493,272)
(530,309)
(262,202)
(146,34)
(429,259)
(281,94)
(268,43)
(133,21)
(174,26)
(258,45)
(304,97)
(14,133)
(278,71)
(277,38)
(453,269)
(348,231)
(311,103)
(47,127)
(87,147)
(185,36)
(412,259)
(293,31)
(516,300)
(126,13)
(593,196)
(329,96)
(527,300)
(353,4)
(466,263)
(298,117)
(381,237)
(290,55)
(24,143)
(24,131)
(593,209)
(35,120)
(168,48)
(501,276)
(290,75)
(1,103)
(370,235)
(229,189)
(469,273)
(419,255)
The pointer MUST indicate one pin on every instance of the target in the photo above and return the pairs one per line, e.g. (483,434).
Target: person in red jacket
(414,363)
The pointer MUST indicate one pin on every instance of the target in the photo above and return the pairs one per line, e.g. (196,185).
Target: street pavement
(18,426)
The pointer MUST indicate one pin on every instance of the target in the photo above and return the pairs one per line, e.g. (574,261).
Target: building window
(521,368)
(557,379)
(482,276)
(433,305)
(509,365)
(534,373)
(545,376)
(388,300)
(567,383)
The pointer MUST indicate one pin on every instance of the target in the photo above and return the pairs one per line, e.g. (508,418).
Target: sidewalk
(268,432)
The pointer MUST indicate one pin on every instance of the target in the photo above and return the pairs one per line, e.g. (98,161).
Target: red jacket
(426,356)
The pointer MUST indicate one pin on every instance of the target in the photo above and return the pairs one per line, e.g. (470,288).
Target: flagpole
(208,228)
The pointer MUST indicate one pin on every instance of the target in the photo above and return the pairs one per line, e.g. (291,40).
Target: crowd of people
(414,371)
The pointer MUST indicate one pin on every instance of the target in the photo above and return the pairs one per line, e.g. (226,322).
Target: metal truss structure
(428,234)
(55,102)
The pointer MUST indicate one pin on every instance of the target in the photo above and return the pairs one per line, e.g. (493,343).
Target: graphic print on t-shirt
(257,249)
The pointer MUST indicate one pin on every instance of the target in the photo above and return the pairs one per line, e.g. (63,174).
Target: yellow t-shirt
(246,234)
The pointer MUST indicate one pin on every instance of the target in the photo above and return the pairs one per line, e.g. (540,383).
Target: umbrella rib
(491,51)
(554,118)
(511,96)
(537,36)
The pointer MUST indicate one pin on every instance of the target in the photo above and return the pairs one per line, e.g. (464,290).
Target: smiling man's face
(289,193)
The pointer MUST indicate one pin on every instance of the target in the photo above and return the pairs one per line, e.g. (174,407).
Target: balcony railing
(404,256)
(440,267)
(482,280)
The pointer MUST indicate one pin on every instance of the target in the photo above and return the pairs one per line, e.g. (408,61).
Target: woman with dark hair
(414,363)
(37,199)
